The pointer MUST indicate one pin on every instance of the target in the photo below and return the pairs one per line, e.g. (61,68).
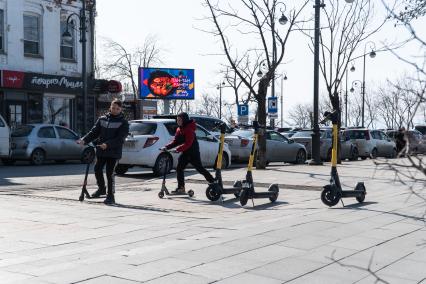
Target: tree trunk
(261,116)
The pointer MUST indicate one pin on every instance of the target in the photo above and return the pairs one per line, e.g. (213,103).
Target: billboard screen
(166,83)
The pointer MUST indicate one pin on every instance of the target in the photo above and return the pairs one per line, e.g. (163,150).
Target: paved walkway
(48,237)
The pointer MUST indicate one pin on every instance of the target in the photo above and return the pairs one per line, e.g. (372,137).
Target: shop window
(32,34)
(56,110)
(35,108)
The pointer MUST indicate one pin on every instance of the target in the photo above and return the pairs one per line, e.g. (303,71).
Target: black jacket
(111,130)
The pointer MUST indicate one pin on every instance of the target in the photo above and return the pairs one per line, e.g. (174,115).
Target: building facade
(41,79)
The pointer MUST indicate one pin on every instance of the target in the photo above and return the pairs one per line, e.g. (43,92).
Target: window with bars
(67,45)
(32,34)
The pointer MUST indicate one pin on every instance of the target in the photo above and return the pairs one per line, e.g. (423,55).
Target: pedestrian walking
(186,142)
(400,140)
(109,131)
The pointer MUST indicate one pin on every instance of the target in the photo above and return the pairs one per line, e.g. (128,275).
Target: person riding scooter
(186,143)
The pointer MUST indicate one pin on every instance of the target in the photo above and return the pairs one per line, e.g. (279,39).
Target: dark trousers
(195,160)
(110,167)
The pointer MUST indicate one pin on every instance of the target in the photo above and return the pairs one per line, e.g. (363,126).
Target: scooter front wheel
(161,194)
(213,192)
(330,195)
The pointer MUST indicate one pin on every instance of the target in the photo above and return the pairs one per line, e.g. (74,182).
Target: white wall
(50,63)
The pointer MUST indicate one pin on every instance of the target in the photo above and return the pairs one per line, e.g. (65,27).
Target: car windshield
(22,131)
(244,133)
(302,134)
(142,128)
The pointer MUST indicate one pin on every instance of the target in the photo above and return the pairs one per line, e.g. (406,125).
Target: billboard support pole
(166,106)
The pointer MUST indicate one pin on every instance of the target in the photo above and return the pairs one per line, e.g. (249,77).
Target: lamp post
(283,78)
(372,54)
(354,84)
(316,159)
(67,36)
(219,87)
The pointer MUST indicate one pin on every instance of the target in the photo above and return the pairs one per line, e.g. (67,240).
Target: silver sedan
(40,142)
(278,147)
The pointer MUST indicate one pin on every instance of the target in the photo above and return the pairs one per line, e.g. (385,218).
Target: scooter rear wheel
(237,185)
(273,188)
(330,195)
(361,187)
(190,193)
(212,192)
(244,196)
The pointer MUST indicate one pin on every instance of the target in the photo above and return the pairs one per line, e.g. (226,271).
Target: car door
(48,141)
(208,146)
(388,142)
(67,143)
(273,147)
(4,138)
(282,149)
(375,135)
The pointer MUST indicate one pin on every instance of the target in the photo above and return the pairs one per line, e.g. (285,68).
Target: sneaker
(98,193)
(109,199)
(178,191)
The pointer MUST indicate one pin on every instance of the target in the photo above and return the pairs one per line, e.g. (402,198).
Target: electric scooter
(84,192)
(247,185)
(333,192)
(216,190)
(164,191)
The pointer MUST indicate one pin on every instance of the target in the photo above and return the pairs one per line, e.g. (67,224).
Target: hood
(190,125)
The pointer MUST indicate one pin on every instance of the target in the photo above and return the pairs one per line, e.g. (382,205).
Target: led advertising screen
(166,84)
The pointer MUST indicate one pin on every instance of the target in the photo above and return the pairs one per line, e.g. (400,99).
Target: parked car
(361,137)
(417,141)
(348,149)
(4,141)
(386,147)
(147,136)
(40,142)
(278,147)
(208,122)
(421,129)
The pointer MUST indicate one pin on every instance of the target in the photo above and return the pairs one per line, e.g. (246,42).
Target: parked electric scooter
(333,192)
(216,190)
(84,192)
(247,185)
(164,191)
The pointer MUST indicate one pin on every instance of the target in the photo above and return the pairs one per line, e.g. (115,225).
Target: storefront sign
(41,82)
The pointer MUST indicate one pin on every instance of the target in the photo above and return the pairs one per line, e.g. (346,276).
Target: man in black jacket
(110,131)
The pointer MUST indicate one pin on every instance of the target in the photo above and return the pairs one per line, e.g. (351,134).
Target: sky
(177,24)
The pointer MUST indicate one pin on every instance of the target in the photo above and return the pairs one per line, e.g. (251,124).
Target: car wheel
(87,156)
(8,162)
(354,155)
(160,164)
(363,158)
(38,157)
(225,162)
(121,169)
(300,157)
(374,154)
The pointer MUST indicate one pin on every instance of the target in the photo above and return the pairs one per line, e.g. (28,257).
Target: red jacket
(185,138)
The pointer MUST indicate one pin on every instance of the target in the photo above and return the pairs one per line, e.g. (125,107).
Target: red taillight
(150,141)
(244,142)
(367,135)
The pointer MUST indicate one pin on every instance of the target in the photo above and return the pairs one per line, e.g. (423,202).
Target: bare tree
(300,115)
(257,21)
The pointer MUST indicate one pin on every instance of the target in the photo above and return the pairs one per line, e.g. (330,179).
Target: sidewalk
(49,237)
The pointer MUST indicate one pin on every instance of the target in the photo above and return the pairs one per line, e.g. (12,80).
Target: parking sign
(243,110)
(272,105)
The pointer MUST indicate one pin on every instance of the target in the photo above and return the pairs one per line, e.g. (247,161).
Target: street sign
(243,110)
(272,105)
(243,120)
(273,115)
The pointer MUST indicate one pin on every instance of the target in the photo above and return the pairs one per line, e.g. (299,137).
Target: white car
(147,136)
(4,141)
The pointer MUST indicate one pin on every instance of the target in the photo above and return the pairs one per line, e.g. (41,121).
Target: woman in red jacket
(186,142)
